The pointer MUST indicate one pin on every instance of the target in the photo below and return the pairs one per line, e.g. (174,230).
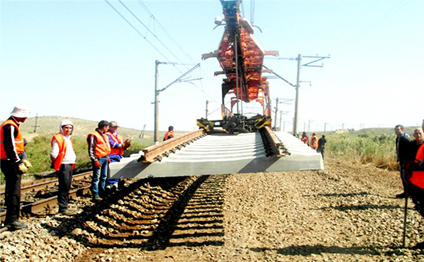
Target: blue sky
(82,59)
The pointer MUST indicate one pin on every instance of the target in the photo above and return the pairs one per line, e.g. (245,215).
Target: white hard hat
(21,111)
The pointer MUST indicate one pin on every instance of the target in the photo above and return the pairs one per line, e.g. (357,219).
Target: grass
(364,148)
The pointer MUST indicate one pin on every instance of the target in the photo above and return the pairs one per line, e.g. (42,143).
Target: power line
(133,27)
(138,19)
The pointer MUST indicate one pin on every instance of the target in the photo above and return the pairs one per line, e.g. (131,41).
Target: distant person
(63,159)
(99,150)
(321,146)
(169,134)
(314,141)
(305,138)
(13,165)
(117,143)
(402,142)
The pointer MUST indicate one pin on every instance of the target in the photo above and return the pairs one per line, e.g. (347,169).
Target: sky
(95,60)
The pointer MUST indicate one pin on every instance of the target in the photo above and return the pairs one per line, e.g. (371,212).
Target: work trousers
(402,176)
(417,195)
(13,190)
(64,174)
(100,175)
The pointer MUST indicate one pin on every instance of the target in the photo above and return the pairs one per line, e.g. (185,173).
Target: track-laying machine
(241,59)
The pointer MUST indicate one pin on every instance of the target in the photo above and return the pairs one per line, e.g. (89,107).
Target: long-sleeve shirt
(9,134)
(70,156)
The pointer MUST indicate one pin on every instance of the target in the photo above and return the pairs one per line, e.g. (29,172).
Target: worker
(118,146)
(169,134)
(321,146)
(305,138)
(415,183)
(63,159)
(402,141)
(117,143)
(99,150)
(13,165)
(314,141)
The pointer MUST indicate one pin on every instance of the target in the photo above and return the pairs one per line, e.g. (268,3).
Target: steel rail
(46,205)
(156,152)
(47,183)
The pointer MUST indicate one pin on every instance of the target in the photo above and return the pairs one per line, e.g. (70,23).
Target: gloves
(97,164)
(22,168)
(126,144)
(27,163)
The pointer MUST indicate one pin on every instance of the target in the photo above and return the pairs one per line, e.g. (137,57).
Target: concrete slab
(223,154)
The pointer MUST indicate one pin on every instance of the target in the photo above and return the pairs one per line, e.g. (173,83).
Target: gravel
(346,213)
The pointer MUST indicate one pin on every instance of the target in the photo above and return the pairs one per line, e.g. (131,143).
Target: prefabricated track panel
(223,154)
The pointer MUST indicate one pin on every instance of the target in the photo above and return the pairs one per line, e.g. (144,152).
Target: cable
(150,31)
(136,29)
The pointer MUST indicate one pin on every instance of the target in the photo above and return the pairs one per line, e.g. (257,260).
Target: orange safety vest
(304,140)
(19,140)
(102,144)
(314,142)
(420,154)
(62,150)
(116,139)
(168,135)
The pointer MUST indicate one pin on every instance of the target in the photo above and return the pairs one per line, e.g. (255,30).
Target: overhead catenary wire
(133,27)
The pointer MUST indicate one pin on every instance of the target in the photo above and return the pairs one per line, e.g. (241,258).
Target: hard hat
(113,124)
(66,122)
(21,111)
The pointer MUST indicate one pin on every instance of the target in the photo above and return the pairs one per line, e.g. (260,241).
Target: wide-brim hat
(113,124)
(21,111)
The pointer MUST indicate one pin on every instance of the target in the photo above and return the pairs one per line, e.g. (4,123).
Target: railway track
(40,196)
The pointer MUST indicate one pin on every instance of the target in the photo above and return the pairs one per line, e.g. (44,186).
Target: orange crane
(241,59)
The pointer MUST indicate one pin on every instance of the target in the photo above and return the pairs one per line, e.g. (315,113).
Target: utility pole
(156,131)
(206,115)
(276,111)
(296,103)
(309,126)
(281,117)
(325,127)
(36,121)
(142,132)
(157,91)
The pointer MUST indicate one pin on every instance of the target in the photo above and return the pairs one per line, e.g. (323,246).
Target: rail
(156,152)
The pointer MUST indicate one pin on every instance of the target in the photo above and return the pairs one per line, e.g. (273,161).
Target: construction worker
(321,146)
(13,164)
(169,134)
(314,141)
(117,143)
(305,138)
(99,150)
(402,142)
(63,159)
(118,146)
(416,172)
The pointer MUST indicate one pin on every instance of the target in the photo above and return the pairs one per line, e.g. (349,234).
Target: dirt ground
(346,213)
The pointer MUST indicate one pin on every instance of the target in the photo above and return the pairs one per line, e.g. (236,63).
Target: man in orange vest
(169,134)
(314,141)
(13,164)
(415,183)
(99,150)
(63,159)
(305,138)
(117,143)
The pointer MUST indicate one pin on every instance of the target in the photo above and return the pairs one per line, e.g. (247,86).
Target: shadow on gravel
(364,207)
(152,214)
(307,250)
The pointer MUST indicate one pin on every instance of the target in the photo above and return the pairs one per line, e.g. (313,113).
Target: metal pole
(296,107)
(156,131)
(206,116)
(276,111)
(281,116)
